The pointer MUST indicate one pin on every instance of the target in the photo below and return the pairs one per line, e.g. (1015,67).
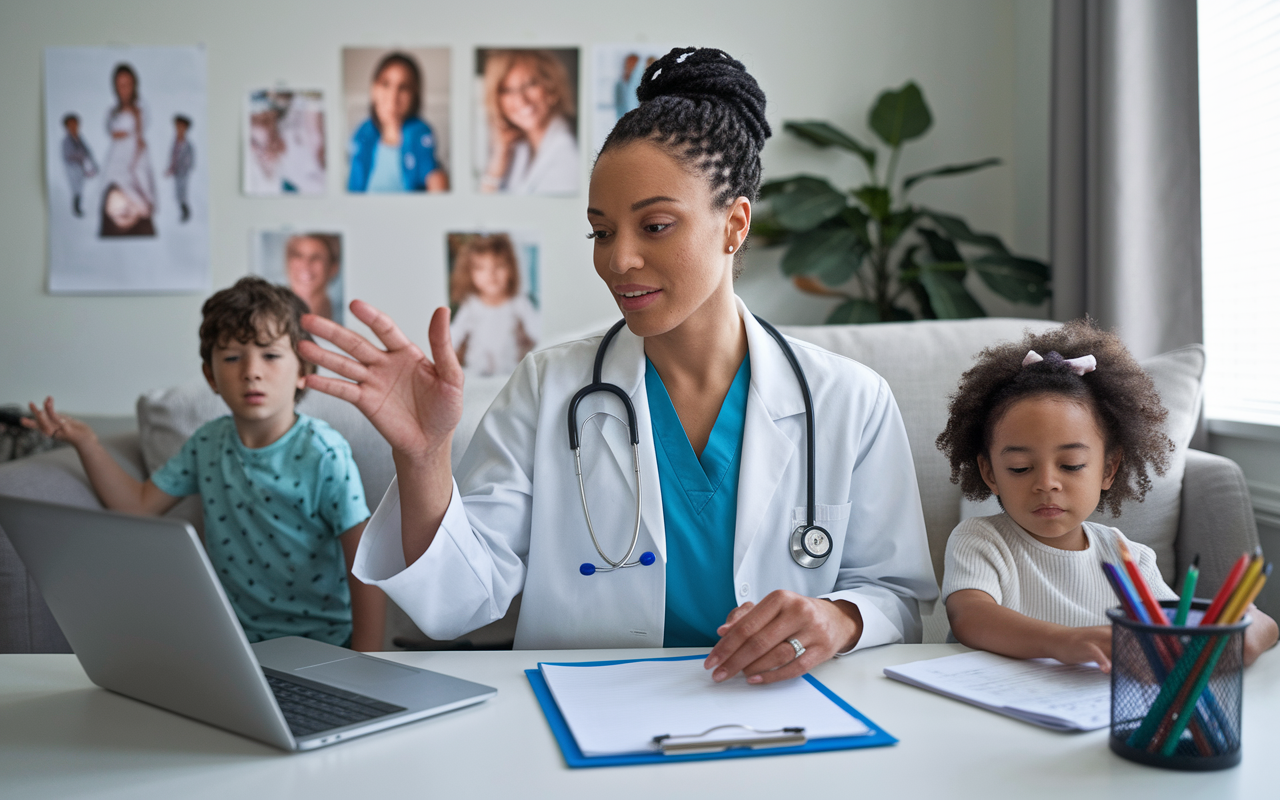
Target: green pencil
(1188,591)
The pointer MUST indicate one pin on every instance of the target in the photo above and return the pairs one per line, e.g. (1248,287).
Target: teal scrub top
(700,510)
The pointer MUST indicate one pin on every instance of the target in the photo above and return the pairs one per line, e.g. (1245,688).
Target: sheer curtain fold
(1126,169)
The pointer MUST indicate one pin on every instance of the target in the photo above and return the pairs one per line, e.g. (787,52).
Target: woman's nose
(625,257)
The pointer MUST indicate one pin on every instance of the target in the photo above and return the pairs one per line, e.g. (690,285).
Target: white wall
(983,65)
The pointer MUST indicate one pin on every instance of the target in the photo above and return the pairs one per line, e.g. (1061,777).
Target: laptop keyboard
(310,710)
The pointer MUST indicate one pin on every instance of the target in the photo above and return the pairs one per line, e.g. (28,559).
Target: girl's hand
(413,401)
(59,426)
(1082,645)
(756,638)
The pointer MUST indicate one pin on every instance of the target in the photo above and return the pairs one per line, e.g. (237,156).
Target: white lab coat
(515,521)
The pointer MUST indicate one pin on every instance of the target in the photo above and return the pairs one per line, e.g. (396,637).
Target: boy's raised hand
(59,426)
(415,402)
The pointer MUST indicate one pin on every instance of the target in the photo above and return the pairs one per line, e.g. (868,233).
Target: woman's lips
(638,302)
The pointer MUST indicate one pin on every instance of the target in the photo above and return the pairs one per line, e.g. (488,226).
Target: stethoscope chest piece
(810,546)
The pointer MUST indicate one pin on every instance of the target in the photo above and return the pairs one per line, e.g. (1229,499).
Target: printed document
(619,708)
(1063,697)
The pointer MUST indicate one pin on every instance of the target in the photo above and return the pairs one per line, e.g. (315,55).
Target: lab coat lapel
(624,367)
(766,449)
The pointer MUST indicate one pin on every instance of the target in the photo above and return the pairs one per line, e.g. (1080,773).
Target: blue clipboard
(575,759)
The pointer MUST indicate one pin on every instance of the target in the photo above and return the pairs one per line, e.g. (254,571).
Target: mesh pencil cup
(1176,691)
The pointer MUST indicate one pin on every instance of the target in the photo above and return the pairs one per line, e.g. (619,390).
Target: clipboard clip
(683,744)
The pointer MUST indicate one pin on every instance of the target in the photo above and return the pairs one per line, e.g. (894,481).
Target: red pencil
(1144,591)
(1224,594)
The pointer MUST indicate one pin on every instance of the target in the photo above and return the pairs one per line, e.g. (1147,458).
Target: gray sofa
(1200,506)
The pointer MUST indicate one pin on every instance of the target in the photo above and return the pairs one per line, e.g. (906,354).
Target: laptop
(146,615)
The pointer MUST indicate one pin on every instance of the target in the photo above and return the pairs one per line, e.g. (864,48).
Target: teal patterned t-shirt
(272,518)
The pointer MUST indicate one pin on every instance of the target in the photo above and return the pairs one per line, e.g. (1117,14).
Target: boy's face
(257,382)
(1048,464)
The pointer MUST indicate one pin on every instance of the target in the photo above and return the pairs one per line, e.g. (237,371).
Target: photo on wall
(397,111)
(308,262)
(525,116)
(616,73)
(283,149)
(125,169)
(493,297)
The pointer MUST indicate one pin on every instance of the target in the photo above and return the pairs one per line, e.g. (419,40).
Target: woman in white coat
(721,429)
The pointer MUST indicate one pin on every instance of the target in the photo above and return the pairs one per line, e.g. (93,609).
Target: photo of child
(397,105)
(493,297)
(111,230)
(617,74)
(284,143)
(78,161)
(182,158)
(309,263)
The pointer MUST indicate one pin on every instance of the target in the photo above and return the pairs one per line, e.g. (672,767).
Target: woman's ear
(988,474)
(1111,467)
(737,224)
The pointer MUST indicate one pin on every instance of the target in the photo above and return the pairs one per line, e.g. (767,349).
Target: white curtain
(1126,169)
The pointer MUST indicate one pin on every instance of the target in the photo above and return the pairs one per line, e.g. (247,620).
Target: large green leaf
(950,169)
(940,247)
(959,230)
(896,224)
(944,284)
(766,232)
(804,202)
(875,198)
(824,134)
(854,312)
(830,254)
(1022,280)
(900,116)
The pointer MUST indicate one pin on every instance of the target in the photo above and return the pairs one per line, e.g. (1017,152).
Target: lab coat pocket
(822,515)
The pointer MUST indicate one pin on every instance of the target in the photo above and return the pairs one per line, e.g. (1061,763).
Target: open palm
(415,402)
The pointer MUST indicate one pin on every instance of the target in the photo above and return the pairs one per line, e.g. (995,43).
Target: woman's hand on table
(415,402)
(756,638)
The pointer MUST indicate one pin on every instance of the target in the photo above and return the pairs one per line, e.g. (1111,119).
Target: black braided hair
(704,108)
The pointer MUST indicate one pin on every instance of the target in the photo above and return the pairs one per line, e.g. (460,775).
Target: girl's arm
(978,621)
(368,603)
(1260,636)
(117,490)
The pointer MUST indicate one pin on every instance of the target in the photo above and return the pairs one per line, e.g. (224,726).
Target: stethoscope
(810,544)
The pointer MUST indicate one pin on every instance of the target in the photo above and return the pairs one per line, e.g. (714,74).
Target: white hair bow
(1079,365)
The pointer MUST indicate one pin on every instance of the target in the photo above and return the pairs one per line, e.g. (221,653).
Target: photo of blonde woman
(529,140)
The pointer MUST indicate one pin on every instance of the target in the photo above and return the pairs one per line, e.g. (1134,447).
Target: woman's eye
(598,235)
(657,227)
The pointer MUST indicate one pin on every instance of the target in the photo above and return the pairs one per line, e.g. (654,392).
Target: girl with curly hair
(1056,426)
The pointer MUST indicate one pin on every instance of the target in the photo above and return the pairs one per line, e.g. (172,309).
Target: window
(1240,212)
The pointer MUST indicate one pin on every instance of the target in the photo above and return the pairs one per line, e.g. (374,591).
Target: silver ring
(799,648)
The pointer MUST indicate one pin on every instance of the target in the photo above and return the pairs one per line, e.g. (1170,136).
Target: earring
(730,248)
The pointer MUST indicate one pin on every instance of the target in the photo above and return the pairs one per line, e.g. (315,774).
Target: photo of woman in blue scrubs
(706,509)
(394,149)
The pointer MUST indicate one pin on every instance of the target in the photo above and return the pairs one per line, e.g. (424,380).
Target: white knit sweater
(995,555)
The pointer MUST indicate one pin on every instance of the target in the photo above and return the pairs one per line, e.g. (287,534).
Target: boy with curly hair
(1055,426)
(283,504)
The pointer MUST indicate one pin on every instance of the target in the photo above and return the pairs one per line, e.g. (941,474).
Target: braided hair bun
(702,106)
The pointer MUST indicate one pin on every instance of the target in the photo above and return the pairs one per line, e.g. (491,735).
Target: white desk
(60,736)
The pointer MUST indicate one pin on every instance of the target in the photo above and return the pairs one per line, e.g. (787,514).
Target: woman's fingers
(442,353)
(39,420)
(727,657)
(346,367)
(343,390)
(382,326)
(733,617)
(350,342)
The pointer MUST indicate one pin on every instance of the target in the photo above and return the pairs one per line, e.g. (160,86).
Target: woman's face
(392,95)
(523,100)
(307,266)
(125,87)
(491,276)
(660,246)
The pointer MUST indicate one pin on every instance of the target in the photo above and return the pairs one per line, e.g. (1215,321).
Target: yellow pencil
(1237,604)
(1250,596)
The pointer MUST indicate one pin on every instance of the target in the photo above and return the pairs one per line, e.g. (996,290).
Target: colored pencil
(1188,592)
(1236,605)
(1224,593)
(1144,591)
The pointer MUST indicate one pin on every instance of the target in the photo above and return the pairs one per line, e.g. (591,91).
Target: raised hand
(61,427)
(415,402)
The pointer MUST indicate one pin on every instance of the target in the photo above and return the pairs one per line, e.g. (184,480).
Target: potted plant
(888,259)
